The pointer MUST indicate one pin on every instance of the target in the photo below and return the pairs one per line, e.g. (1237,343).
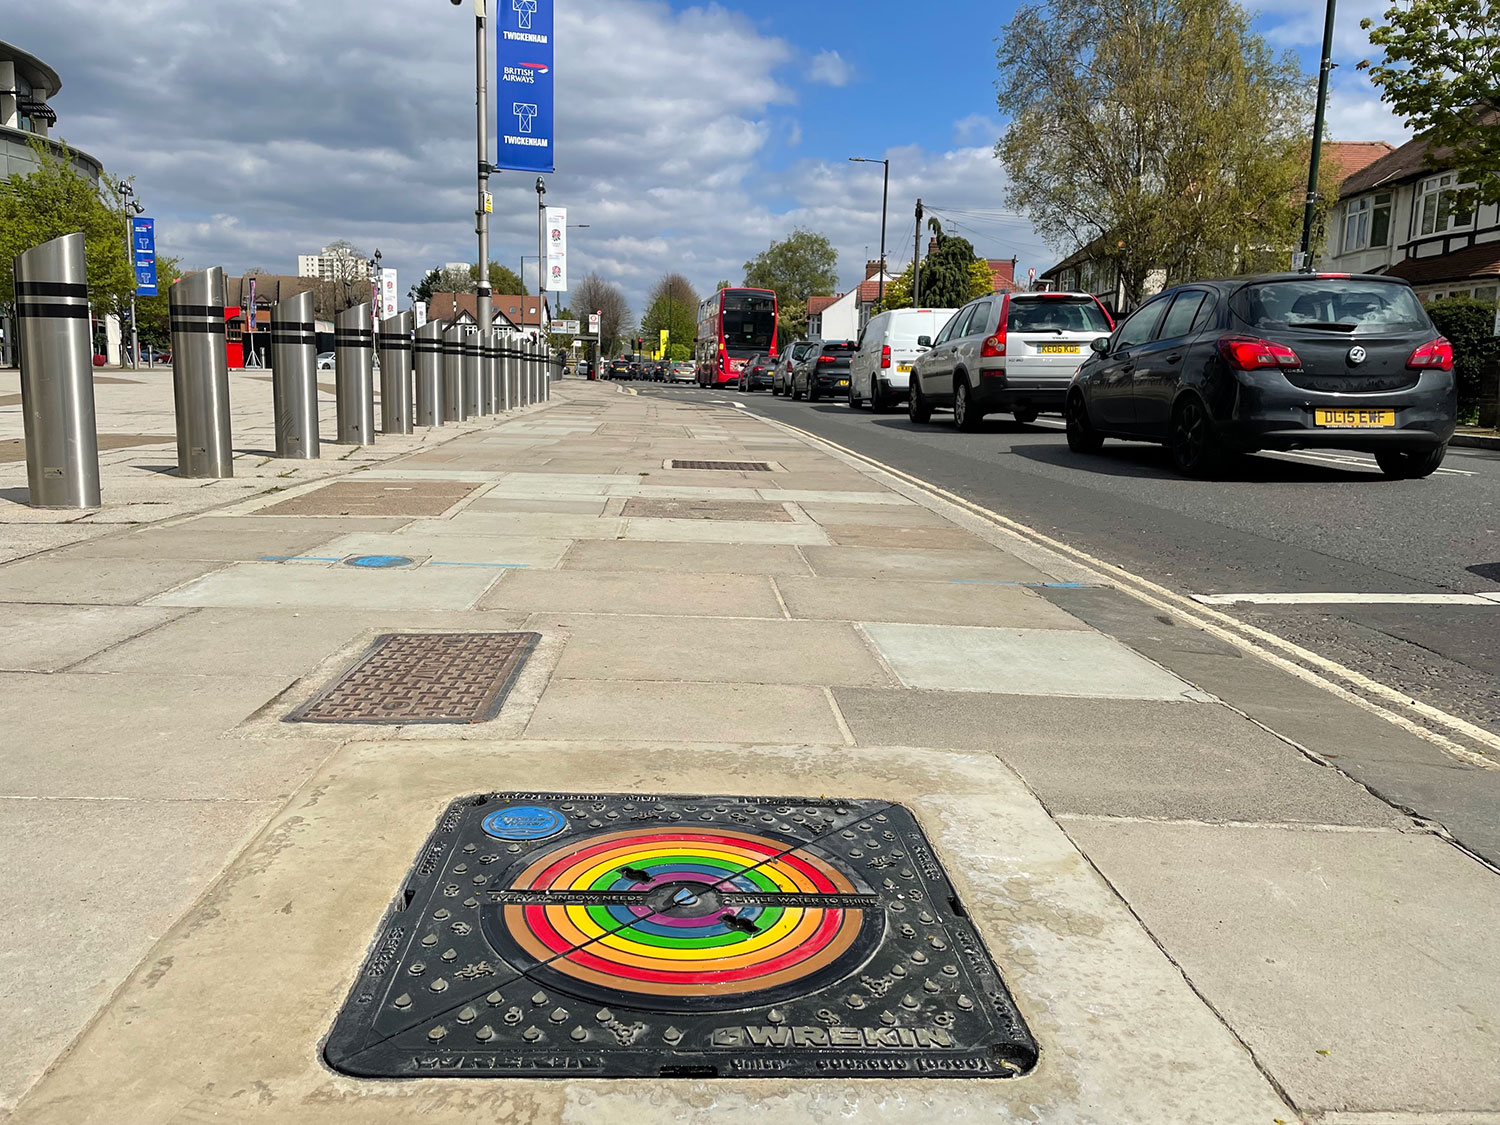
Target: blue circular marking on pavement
(524,822)
(379,562)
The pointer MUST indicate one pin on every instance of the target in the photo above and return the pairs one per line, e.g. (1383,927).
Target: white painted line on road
(1354,460)
(1260,642)
(1346,599)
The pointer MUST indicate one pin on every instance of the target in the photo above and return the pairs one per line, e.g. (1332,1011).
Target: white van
(880,370)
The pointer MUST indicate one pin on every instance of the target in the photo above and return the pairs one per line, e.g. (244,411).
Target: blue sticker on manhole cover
(379,562)
(524,822)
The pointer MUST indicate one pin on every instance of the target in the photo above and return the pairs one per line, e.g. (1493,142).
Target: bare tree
(595,295)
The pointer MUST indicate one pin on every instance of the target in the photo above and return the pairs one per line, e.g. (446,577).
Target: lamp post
(885,196)
(541,251)
(1317,138)
(375,260)
(131,208)
(482,211)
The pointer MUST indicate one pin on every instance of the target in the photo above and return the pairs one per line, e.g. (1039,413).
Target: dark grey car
(824,372)
(1289,361)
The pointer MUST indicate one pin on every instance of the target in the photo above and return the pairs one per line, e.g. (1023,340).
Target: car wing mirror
(1100,345)
(924,341)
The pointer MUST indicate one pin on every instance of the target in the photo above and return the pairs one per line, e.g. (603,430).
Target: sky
(689,135)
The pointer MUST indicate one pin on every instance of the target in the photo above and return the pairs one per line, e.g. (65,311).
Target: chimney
(931,246)
(872,268)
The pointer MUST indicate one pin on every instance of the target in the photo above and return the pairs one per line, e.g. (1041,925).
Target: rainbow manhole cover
(556,935)
(410,678)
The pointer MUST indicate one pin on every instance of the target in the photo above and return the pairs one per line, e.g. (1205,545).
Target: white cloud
(976,129)
(830,69)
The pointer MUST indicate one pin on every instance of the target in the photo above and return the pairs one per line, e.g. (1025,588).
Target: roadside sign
(143,253)
(524,66)
(565,327)
(557,249)
(594,324)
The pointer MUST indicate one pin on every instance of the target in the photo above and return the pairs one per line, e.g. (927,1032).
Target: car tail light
(885,358)
(1436,354)
(1249,354)
(994,347)
(826,359)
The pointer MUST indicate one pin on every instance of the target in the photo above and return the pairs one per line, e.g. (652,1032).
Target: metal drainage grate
(726,466)
(559,935)
(410,678)
(743,510)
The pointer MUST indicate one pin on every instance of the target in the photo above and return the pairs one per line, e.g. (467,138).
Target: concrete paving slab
(446,544)
(372,497)
(520,525)
(188,541)
(325,526)
(684,595)
(724,531)
(507,504)
(685,558)
(920,603)
(48,638)
(22,539)
(882,498)
(93,581)
(271,586)
(739,650)
(1183,761)
(881,515)
(150,737)
(261,642)
(77,921)
(1334,955)
(877,562)
(1021,661)
(684,712)
(1113,1015)
(904,538)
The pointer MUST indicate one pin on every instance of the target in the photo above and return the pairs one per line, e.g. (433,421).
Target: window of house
(1437,207)
(1367,222)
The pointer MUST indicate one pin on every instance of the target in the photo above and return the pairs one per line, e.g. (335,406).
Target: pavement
(1204,912)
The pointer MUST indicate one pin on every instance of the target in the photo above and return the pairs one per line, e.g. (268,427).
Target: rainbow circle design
(644,912)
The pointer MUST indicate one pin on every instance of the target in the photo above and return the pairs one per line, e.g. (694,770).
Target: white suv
(1008,352)
(880,369)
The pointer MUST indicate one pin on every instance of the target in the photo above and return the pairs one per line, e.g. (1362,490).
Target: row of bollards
(437,374)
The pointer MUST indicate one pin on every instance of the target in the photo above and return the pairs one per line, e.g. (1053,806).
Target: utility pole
(916,263)
(885,196)
(1317,138)
(482,98)
(132,208)
(541,253)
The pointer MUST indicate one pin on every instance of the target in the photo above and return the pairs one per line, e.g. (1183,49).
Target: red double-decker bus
(733,325)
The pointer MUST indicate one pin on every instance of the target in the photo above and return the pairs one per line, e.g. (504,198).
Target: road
(1279,524)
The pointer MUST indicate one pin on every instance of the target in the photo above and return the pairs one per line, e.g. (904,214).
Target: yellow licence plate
(1356,419)
(1059,349)
(905,367)
(843,382)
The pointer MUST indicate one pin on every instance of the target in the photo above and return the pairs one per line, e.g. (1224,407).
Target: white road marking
(1347,599)
(1229,629)
(1343,459)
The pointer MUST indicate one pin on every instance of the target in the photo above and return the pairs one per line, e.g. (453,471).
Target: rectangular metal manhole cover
(747,510)
(375,498)
(410,678)
(727,466)
(627,935)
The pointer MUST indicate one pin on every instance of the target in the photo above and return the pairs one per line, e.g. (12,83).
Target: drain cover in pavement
(424,678)
(641,506)
(729,466)
(555,935)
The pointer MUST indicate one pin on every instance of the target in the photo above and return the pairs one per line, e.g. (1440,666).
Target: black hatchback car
(756,373)
(824,371)
(1289,361)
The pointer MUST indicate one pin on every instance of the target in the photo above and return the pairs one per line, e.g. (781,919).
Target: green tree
(952,274)
(1441,73)
(57,199)
(1166,130)
(802,265)
(672,306)
(503,279)
(1469,326)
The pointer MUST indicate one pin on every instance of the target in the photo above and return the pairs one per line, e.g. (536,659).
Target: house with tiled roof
(507,311)
(844,316)
(1401,214)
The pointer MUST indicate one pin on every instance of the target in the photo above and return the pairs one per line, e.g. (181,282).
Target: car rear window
(1338,304)
(1057,314)
(833,349)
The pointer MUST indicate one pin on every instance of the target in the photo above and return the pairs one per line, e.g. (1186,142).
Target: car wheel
(1082,437)
(917,410)
(1410,464)
(965,417)
(1191,442)
(1026,417)
(812,392)
(796,393)
(855,402)
(878,400)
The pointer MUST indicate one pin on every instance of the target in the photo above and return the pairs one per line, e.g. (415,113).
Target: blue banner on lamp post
(143,253)
(525,72)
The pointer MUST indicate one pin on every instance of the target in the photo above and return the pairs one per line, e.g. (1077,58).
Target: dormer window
(1367,222)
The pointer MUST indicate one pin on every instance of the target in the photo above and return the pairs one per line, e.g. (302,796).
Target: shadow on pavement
(1143,460)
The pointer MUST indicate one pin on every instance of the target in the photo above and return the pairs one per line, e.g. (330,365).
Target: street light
(541,249)
(1317,138)
(375,261)
(131,207)
(884,199)
(482,211)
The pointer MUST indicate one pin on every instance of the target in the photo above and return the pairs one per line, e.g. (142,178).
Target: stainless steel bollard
(428,364)
(486,391)
(354,371)
(507,370)
(294,377)
(395,374)
(57,375)
(200,376)
(492,370)
(471,373)
(453,375)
